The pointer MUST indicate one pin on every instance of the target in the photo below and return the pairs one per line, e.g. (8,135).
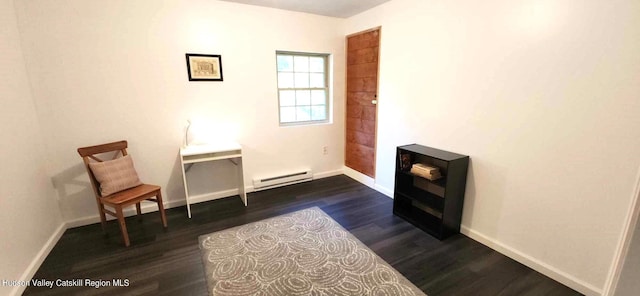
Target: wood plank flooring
(167,262)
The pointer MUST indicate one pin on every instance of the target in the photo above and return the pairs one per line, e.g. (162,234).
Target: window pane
(302,80)
(301,64)
(287,114)
(318,113)
(303,113)
(303,97)
(316,80)
(285,80)
(285,63)
(316,64)
(287,98)
(318,97)
(303,87)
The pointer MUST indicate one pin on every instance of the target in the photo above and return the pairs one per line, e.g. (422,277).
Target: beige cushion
(115,175)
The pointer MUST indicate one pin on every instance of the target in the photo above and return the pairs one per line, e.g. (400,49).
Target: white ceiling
(334,8)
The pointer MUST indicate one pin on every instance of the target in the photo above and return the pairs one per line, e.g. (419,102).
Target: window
(303,88)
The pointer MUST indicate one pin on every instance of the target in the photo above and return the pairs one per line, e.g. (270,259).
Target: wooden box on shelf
(429,191)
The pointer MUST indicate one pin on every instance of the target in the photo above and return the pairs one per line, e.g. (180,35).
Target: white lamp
(205,131)
(186,133)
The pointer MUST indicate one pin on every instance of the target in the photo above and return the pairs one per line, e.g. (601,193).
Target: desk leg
(186,191)
(241,190)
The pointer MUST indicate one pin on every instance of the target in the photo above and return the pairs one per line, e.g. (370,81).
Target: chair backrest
(91,153)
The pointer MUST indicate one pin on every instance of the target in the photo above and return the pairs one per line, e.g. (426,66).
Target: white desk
(210,152)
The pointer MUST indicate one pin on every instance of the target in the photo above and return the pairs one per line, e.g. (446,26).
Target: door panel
(362,126)
(366,84)
(360,138)
(367,55)
(362,70)
(362,88)
(361,158)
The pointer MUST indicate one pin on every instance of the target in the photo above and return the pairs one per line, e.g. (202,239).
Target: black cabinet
(434,206)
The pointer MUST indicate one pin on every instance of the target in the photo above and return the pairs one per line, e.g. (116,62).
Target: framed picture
(204,67)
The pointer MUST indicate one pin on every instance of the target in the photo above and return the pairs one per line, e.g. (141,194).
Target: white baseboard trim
(368,181)
(514,254)
(624,242)
(31,270)
(535,264)
(384,190)
(327,174)
(360,177)
(148,207)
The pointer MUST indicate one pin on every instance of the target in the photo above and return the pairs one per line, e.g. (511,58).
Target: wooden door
(362,90)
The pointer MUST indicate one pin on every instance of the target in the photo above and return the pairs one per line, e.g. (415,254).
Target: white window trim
(327,88)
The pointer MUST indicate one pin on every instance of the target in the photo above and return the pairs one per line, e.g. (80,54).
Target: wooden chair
(119,200)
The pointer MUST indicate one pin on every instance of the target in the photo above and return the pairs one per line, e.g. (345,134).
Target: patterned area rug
(301,253)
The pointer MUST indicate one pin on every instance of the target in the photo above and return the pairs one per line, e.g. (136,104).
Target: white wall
(105,71)
(29,216)
(543,96)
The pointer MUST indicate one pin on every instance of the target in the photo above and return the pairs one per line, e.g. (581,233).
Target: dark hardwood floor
(167,262)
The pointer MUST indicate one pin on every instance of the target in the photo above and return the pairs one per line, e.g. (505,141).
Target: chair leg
(163,217)
(103,217)
(123,226)
(139,212)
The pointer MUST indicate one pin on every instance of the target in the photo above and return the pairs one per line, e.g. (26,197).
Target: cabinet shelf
(440,182)
(433,206)
(429,199)
(430,224)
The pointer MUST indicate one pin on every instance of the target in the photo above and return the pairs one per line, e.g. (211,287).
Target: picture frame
(204,67)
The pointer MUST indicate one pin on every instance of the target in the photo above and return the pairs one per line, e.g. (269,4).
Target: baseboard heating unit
(282,180)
